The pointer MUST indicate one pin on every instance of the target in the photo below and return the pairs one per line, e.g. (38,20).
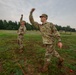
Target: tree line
(10,25)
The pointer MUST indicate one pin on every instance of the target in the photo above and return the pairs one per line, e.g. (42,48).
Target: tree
(1,24)
(5,23)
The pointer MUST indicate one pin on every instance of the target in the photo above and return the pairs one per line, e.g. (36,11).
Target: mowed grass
(12,62)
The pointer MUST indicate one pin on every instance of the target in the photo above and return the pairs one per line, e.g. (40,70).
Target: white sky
(61,12)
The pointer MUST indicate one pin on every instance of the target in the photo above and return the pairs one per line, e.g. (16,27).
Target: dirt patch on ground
(68,71)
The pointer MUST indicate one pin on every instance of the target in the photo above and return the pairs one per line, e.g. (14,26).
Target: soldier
(49,33)
(21,32)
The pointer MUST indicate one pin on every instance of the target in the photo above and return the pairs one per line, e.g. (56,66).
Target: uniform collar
(45,23)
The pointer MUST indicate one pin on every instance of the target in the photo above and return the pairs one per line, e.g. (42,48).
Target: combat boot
(60,62)
(45,67)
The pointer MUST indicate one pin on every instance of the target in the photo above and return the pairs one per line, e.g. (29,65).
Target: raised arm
(36,24)
(21,18)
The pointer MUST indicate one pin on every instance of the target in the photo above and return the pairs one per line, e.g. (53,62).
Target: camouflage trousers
(20,41)
(50,51)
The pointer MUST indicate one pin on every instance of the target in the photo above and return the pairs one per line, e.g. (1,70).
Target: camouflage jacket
(48,31)
(21,30)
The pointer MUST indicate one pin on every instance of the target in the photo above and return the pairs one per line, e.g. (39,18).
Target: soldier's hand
(21,15)
(32,10)
(60,44)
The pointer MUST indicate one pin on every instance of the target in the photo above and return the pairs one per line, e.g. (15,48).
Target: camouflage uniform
(49,33)
(21,32)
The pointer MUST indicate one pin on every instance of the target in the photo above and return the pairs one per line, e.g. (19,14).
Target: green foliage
(67,28)
(9,25)
(4,25)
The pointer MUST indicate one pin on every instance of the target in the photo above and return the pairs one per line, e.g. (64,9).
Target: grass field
(12,62)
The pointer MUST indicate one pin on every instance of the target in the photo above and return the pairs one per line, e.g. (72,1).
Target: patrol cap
(23,21)
(44,15)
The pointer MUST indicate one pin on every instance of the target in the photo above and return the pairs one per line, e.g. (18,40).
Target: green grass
(33,54)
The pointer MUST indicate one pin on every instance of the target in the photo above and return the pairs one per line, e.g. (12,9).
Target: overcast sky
(61,12)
